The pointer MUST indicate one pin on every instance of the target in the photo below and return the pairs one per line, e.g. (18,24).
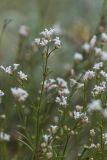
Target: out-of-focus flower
(53,128)
(92,132)
(98,89)
(89,75)
(46,138)
(93,42)
(86,47)
(98,51)
(9,69)
(57,42)
(4,136)
(104,37)
(94,106)
(104,56)
(50,84)
(62,100)
(78,56)
(98,66)
(22,75)
(19,94)
(1,93)
(24,30)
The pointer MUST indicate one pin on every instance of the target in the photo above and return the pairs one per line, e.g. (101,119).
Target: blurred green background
(76,18)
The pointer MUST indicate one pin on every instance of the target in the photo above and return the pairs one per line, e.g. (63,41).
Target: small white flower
(22,75)
(3,116)
(77,115)
(4,136)
(73,82)
(50,84)
(15,66)
(43,42)
(98,51)
(53,128)
(94,105)
(104,56)
(37,41)
(98,89)
(92,132)
(46,138)
(48,33)
(105,137)
(93,41)
(98,66)
(104,74)
(19,94)
(78,56)
(1,93)
(24,30)
(86,47)
(57,42)
(104,37)
(7,69)
(104,112)
(89,75)
(62,100)
(92,146)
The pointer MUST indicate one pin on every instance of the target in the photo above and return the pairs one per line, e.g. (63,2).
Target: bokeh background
(77,19)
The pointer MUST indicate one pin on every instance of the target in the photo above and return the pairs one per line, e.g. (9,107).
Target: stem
(39,106)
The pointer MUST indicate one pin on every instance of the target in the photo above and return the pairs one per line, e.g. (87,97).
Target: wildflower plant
(66,118)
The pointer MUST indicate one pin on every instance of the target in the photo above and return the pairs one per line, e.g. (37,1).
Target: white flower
(4,136)
(98,51)
(104,56)
(57,29)
(48,33)
(19,94)
(1,93)
(104,74)
(62,100)
(92,132)
(78,115)
(15,66)
(78,56)
(104,37)
(98,66)
(86,47)
(22,75)
(94,105)
(3,116)
(37,41)
(88,75)
(104,112)
(73,82)
(61,83)
(57,42)
(24,30)
(43,42)
(92,146)
(98,89)
(105,137)
(46,138)
(93,41)
(53,128)
(9,69)
(50,84)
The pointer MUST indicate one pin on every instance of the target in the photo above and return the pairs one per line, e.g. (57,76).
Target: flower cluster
(49,36)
